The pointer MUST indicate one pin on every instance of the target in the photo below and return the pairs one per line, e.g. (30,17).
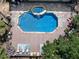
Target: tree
(76,22)
(4,28)
(49,51)
(67,47)
(3,54)
(62,48)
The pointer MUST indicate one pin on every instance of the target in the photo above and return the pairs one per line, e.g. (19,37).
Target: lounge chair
(23,49)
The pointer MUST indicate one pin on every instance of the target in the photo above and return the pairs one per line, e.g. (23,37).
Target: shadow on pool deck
(48,6)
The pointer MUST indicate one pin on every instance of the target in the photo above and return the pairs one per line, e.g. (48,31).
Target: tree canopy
(63,47)
(3,27)
(3,54)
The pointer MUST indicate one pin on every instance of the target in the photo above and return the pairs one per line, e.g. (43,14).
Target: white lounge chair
(23,49)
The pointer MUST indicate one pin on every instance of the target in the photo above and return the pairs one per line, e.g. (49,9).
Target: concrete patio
(35,39)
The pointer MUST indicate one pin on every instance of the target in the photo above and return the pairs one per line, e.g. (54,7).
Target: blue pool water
(38,9)
(29,22)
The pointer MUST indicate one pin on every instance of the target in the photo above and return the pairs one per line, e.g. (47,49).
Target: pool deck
(35,39)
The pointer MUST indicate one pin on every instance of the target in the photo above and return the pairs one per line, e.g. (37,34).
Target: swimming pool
(47,22)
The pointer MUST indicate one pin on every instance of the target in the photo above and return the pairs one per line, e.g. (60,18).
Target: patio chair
(23,49)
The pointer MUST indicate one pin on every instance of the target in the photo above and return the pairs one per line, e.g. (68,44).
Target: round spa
(38,11)
(28,22)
